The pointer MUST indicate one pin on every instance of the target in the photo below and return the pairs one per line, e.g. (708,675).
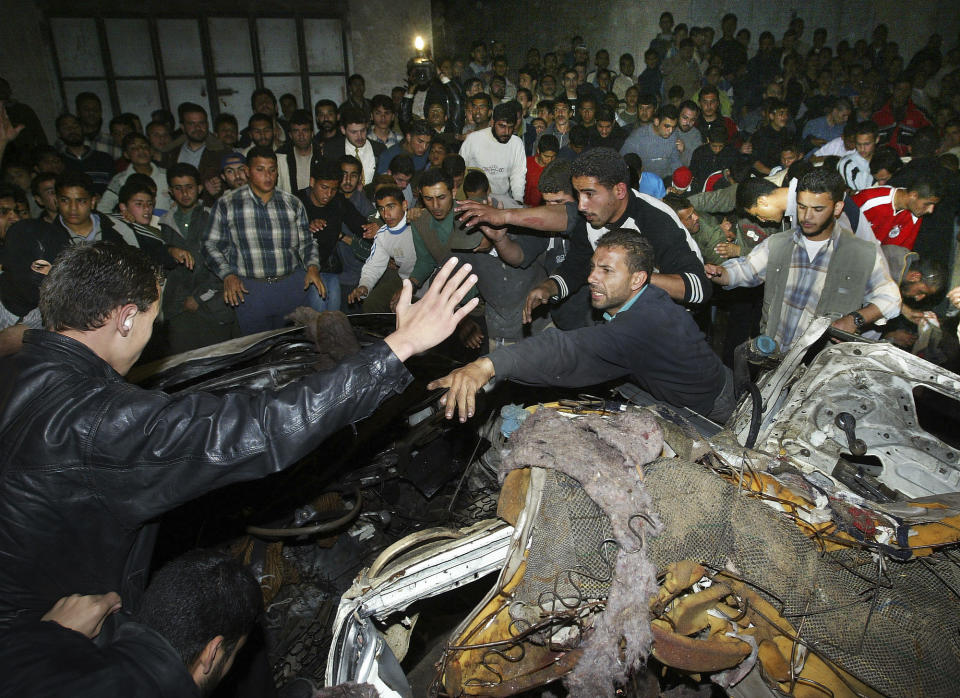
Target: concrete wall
(380,40)
(628,25)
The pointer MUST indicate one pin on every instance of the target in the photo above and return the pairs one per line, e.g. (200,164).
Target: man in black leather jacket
(87,460)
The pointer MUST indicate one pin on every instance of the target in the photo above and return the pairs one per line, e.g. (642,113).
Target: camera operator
(423,76)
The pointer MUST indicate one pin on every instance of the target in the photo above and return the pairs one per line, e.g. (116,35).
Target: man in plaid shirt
(260,244)
(815,269)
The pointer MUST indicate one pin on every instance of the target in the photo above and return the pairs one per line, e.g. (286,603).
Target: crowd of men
(618,224)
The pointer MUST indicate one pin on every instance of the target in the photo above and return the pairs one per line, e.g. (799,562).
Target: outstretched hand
(426,323)
(464,384)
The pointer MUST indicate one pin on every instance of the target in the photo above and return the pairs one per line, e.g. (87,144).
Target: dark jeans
(268,303)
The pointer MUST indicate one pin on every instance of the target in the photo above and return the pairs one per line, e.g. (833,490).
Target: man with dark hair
(136,149)
(608,134)
(44,191)
(327,116)
(710,114)
(382,116)
(682,69)
(415,143)
(732,53)
(814,269)
(900,118)
(264,103)
(855,167)
(297,155)
(197,147)
(89,111)
(657,144)
(499,153)
(196,615)
(547,149)
(393,241)
(354,250)
(258,243)
(193,307)
(896,214)
(768,140)
(125,455)
(646,337)
(689,137)
(714,157)
(605,200)
(259,132)
(356,86)
(328,212)
(353,141)
(822,130)
(80,157)
(480,106)
(560,128)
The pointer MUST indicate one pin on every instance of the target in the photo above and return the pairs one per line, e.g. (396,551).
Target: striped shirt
(805,282)
(258,240)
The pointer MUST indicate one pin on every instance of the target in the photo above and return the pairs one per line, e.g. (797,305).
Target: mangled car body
(808,549)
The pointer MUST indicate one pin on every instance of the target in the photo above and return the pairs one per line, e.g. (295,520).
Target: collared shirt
(626,306)
(805,282)
(389,141)
(258,240)
(191,156)
(366,157)
(91,237)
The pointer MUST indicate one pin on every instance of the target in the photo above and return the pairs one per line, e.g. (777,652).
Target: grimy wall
(629,25)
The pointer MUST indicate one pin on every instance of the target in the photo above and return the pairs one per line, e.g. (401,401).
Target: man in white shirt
(353,141)
(499,153)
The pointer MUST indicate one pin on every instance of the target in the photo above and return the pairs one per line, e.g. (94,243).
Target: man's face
(581,73)
(235,174)
(866,145)
(816,213)
(951,137)
(438,200)
(75,205)
(919,205)
(645,113)
(839,115)
(882,176)
(138,209)
(261,133)
(664,127)
(382,118)
(498,88)
(548,86)
(651,59)
(479,54)
(301,135)
(356,88)
(356,134)
(766,211)
(8,214)
(561,113)
(264,104)
(550,62)
(400,179)
(779,118)
(419,144)
(525,80)
(604,128)
(611,282)
(602,59)
(287,105)
(263,175)
(159,137)
(546,157)
(570,81)
(50,162)
(118,132)
(598,204)
(322,191)
(350,179)
(915,288)
(70,131)
(436,116)
(686,52)
(227,134)
(716,148)
(481,112)
(690,220)
(581,55)
(524,102)
(709,105)
(588,112)
(500,67)
(666,24)
(437,153)
(326,119)
(688,119)
(184,191)
(603,80)
(788,157)
(391,210)
(138,152)
(195,126)
(46,197)
(539,125)
(90,113)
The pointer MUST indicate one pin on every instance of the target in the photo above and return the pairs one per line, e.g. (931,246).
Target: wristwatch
(858,321)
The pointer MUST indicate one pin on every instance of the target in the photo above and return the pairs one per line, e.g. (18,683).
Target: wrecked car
(808,548)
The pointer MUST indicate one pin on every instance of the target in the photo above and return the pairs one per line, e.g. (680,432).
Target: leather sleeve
(151,452)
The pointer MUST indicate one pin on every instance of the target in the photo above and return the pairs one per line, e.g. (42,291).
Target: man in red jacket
(899,118)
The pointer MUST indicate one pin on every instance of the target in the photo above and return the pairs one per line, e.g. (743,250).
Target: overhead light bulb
(418,43)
